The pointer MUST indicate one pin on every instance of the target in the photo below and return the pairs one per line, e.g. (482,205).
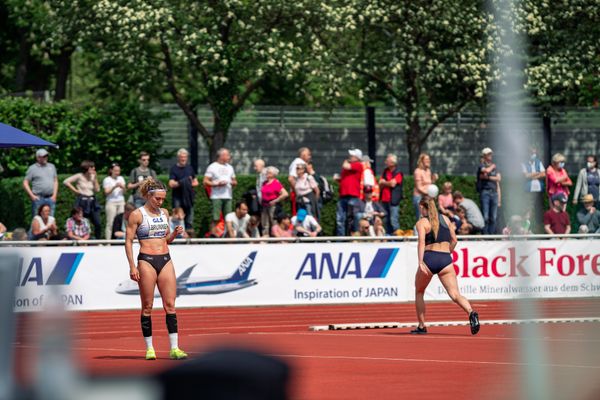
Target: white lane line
(361,358)
(422,360)
(430,335)
(206,328)
(206,334)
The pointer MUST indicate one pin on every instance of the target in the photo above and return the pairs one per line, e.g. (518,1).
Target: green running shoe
(178,354)
(150,354)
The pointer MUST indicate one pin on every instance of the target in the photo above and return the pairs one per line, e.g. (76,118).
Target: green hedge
(15,210)
(101,132)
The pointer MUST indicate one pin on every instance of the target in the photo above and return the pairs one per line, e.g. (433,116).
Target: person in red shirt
(390,184)
(349,181)
(556,219)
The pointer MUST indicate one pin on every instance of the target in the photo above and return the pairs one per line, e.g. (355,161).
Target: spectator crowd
(367,205)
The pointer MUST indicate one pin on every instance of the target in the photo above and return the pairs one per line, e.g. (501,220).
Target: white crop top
(152,227)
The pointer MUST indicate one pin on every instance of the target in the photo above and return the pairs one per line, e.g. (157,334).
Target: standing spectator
(588,182)
(43,225)
(349,190)
(306,189)
(589,216)
(325,192)
(391,193)
(41,182)
(77,227)
(85,185)
(283,226)
(114,189)
(556,219)
(423,178)
(120,222)
(304,156)
(557,178)
(368,179)
(252,197)
(472,212)
(236,222)
(261,176)
(2,230)
(182,180)
(137,176)
(488,183)
(273,194)
(535,175)
(305,224)
(220,177)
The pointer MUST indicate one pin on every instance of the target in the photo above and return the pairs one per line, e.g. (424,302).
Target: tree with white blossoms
(431,58)
(563,48)
(216,52)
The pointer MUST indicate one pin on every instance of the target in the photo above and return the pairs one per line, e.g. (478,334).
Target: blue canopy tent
(13,137)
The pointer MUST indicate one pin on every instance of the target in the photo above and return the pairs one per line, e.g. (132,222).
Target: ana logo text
(342,265)
(61,274)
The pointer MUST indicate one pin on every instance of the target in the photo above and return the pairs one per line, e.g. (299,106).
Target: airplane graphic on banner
(192,285)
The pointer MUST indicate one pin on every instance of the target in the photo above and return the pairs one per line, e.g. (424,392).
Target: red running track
(356,364)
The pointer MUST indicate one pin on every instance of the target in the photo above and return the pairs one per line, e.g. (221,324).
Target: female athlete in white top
(150,223)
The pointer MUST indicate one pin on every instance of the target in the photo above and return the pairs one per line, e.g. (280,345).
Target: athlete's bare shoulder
(135,217)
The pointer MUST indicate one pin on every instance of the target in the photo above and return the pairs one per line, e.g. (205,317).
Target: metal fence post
(193,143)
(371,137)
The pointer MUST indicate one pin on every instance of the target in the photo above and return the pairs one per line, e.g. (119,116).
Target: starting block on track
(390,325)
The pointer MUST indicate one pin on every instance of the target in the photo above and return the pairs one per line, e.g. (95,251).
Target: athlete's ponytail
(428,203)
(149,185)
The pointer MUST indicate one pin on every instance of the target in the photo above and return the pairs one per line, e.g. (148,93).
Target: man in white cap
(41,183)
(352,169)
(488,186)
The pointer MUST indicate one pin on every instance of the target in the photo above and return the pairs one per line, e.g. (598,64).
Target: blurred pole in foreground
(512,140)
(8,278)
(56,376)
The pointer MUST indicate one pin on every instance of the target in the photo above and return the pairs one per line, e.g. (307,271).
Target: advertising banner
(93,278)
(517,269)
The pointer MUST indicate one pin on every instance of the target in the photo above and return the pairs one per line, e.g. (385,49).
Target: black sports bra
(443,233)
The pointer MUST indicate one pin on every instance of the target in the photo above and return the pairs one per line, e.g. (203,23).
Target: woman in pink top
(557,178)
(283,227)
(423,178)
(272,193)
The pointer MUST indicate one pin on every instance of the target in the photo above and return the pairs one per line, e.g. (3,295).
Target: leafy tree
(563,61)
(103,133)
(48,32)
(430,59)
(215,52)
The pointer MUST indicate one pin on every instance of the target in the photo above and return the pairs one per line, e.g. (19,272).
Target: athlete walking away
(436,242)
(154,267)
